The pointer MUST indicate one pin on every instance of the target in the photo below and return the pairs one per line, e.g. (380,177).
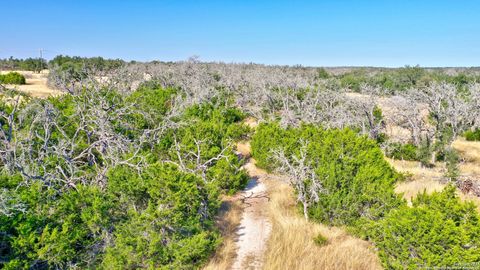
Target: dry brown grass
(410,189)
(422,179)
(291,244)
(228,220)
(470,169)
(470,154)
(470,151)
(427,179)
(36,85)
(397,133)
(416,170)
(251,122)
(243,148)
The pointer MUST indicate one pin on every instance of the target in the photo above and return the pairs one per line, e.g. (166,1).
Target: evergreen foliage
(472,135)
(159,217)
(357,181)
(12,78)
(402,151)
(438,230)
(357,191)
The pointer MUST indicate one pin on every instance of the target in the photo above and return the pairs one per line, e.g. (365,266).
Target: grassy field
(291,245)
(36,85)
(431,179)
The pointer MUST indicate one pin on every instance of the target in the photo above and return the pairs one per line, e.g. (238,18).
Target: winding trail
(255,226)
(268,203)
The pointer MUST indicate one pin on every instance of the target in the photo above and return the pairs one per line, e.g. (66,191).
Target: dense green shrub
(162,218)
(211,131)
(320,240)
(53,231)
(153,103)
(322,73)
(353,80)
(159,217)
(472,135)
(402,151)
(357,182)
(12,78)
(169,225)
(438,230)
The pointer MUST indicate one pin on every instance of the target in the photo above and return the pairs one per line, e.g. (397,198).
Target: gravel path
(255,226)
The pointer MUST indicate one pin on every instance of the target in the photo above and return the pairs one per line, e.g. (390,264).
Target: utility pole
(40,65)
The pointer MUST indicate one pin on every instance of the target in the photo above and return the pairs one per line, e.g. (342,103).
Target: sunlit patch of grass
(292,245)
(227,221)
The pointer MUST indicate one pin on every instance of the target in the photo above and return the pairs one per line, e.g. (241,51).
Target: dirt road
(255,226)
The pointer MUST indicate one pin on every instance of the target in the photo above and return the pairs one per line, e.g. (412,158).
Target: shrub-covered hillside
(126,168)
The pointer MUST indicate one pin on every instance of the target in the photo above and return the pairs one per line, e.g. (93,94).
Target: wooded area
(128,167)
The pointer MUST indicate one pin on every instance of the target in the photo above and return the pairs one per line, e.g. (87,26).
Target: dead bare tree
(82,148)
(195,161)
(474,105)
(448,107)
(406,113)
(300,175)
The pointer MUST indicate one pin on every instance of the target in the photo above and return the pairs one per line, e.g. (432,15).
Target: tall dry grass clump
(421,178)
(469,150)
(470,156)
(292,246)
(430,179)
(228,220)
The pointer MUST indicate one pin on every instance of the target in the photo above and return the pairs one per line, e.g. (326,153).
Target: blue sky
(310,33)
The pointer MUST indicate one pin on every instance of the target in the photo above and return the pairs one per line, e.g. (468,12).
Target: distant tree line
(403,78)
(98,63)
(390,79)
(65,62)
(30,64)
